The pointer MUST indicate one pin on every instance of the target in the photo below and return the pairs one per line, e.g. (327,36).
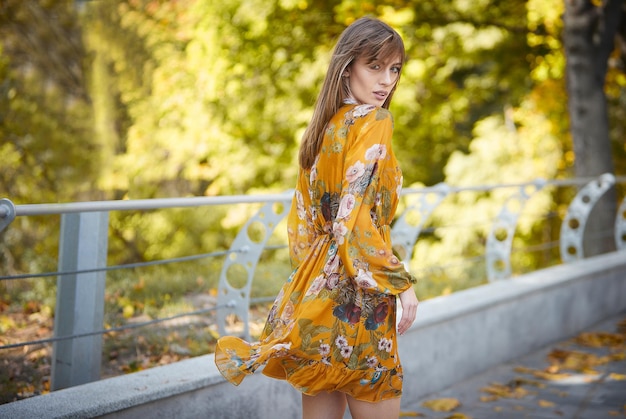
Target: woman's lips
(380,95)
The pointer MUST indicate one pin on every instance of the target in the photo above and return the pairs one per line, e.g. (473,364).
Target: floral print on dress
(332,326)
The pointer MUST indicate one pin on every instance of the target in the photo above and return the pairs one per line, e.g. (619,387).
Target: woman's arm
(366,256)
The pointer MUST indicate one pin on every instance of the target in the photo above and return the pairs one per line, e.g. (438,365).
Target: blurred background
(136,99)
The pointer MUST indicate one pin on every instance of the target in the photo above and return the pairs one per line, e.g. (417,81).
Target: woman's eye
(375,67)
(395,69)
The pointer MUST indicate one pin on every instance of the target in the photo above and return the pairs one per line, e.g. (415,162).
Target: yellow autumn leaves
(583,359)
(440,405)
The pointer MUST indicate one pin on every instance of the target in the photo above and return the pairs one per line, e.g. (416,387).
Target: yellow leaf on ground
(411,414)
(617,377)
(442,405)
(551,373)
(214,334)
(128,311)
(600,339)
(575,360)
(551,376)
(620,356)
(458,415)
(545,403)
(501,390)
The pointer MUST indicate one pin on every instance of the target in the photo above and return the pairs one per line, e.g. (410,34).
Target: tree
(589,37)
(45,123)
(46,146)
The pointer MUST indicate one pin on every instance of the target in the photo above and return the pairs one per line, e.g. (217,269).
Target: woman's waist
(329,229)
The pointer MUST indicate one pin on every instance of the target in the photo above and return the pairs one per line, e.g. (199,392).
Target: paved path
(570,379)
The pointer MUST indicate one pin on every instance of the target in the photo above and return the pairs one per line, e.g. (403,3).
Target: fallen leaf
(128,311)
(546,403)
(551,376)
(551,373)
(574,360)
(617,377)
(458,415)
(504,391)
(620,356)
(214,334)
(600,339)
(442,405)
(553,369)
(411,414)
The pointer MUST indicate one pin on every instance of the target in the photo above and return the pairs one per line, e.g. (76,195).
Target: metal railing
(83,242)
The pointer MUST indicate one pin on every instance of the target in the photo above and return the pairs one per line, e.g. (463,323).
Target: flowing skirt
(323,334)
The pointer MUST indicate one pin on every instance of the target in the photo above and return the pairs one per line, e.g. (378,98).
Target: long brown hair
(367,37)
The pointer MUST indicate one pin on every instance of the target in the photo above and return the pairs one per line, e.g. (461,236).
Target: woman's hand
(409,303)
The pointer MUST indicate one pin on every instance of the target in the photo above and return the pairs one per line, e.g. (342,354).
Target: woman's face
(371,83)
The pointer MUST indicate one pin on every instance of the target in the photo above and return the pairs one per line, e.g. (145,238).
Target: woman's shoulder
(353,113)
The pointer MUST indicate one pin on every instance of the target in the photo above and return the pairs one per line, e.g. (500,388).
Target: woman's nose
(386,78)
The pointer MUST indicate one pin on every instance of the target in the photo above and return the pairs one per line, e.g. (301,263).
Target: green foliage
(45,129)
(511,150)
(135,99)
(48,154)
(131,99)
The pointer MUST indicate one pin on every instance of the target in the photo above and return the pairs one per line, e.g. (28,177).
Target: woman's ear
(346,71)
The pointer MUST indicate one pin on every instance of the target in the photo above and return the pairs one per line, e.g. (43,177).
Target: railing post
(80,299)
(7,213)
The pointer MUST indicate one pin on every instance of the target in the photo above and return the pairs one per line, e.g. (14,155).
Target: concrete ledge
(457,336)
(453,338)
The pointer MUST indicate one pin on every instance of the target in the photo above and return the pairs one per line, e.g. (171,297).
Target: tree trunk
(589,33)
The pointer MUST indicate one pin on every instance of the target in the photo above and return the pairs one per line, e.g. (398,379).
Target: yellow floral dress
(333,325)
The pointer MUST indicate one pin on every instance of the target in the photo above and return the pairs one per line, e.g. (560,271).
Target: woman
(331,332)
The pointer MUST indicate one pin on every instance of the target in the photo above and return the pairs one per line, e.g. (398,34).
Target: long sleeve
(299,224)
(367,257)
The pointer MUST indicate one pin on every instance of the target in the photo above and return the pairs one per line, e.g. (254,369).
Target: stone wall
(453,338)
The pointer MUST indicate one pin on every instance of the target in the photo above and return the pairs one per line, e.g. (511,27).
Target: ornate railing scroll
(573,226)
(233,292)
(407,228)
(500,238)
